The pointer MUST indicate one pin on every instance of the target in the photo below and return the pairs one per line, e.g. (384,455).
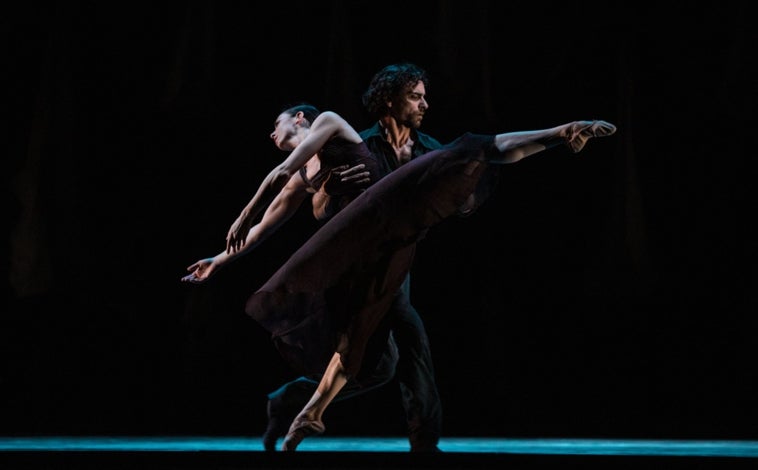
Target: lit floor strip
(640,447)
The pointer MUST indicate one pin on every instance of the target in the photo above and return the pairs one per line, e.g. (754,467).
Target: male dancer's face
(409,108)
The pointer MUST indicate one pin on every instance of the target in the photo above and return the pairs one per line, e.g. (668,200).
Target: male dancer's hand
(346,179)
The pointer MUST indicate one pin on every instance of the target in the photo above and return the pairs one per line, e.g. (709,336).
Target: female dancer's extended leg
(512,147)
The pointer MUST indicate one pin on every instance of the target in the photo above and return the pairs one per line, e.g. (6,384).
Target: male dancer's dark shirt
(385,153)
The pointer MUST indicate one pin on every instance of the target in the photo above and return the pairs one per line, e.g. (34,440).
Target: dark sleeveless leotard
(337,152)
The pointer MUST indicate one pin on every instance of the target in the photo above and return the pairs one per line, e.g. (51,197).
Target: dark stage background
(609,294)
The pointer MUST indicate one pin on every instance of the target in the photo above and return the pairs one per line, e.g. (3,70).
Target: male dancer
(396,96)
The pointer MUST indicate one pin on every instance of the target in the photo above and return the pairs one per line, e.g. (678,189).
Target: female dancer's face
(285,130)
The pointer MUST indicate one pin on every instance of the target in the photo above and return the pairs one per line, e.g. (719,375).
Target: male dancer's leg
(415,373)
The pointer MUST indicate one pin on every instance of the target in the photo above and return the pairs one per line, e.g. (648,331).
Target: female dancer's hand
(235,238)
(200,271)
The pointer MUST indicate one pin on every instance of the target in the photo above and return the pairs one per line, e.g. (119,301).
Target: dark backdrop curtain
(611,293)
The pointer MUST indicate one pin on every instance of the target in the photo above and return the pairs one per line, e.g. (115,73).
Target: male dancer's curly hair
(391,82)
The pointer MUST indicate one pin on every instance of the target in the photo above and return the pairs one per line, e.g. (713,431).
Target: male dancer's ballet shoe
(300,429)
(581,131)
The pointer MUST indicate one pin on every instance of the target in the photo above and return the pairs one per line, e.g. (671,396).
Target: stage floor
(639,447)
(196,452)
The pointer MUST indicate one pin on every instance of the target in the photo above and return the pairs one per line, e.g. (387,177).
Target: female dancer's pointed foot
(582,131)
(301,428)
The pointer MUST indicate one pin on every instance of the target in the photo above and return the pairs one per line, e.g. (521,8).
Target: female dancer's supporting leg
(308,421)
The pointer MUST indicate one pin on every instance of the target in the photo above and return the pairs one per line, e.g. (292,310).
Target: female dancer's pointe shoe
(581,131)
(300,429)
